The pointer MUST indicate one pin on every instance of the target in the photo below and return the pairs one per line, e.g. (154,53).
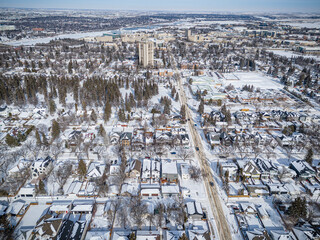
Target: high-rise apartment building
(146,53)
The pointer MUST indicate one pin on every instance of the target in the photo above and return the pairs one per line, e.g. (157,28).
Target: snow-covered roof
(82,208)
(170,189)
(194,208)
(15,207)
(169,167)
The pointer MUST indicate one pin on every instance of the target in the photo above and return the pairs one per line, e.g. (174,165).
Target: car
(197,148)
(211,184)
(195,124)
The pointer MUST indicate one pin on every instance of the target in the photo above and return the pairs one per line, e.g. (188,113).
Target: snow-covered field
(315,24)
(258,80)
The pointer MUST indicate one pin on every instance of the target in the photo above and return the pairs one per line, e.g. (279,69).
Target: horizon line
(173,11)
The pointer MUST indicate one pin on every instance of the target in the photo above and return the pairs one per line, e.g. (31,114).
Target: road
(214,200)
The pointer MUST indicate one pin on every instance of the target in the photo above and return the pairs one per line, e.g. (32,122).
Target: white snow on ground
(303,24)
(258,80)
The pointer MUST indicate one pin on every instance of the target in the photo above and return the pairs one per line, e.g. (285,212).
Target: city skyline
(177,5)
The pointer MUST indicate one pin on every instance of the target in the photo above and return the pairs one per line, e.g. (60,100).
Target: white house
(155,170)
(232,169)
(95,170)
(41,167)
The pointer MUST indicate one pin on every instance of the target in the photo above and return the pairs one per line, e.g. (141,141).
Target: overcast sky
(174,5)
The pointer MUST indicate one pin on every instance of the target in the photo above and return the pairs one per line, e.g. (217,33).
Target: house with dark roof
(267,168)
(303,169)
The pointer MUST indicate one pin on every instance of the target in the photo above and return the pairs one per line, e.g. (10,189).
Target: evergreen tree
(38,138)
(183,111)
(121,115)
(82,169)
(166,109)
(298,208)
(201,107)
(12,141)
(228,116)
(55,130)
(107,112)
(93,116)
(309,157)
(183,237)
(42,189)
(44,139)
(52,106)
(102,131)
(132,236)
(7,229)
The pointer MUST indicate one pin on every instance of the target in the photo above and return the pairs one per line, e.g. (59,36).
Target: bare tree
(100,149)
(195,173)
(138,210)
(160,215)
(151,219)
(61,175)
(184,154)
(56,148)
(123,219)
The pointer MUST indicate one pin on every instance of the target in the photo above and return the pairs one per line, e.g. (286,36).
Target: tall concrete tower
(146,52)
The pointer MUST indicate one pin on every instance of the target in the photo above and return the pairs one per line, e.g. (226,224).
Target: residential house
(73,137)
(194,210)
(148,138)
(267,168)
(169,171)
(231,168)
(248,208)
(303,169)
(170,190)
(174,235)
(41,167)
(277,189)
(199,234)
(146,171)
(250,169)
(148,235)
(185,139)
(213,138)
(95,170)
(47,227)
(163,137)
(17,168)
(262,212)
(257,234)
(305,232)
(125,139)
(115,137)
(256,190)
(137,142)
(280,235)
(15,207)
(155,170)
(134,169)
(82,206)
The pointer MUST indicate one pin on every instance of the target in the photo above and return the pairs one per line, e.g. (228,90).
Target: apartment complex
(146,50)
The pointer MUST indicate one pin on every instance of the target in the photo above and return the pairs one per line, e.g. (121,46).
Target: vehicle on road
(197,148)
(211,184)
